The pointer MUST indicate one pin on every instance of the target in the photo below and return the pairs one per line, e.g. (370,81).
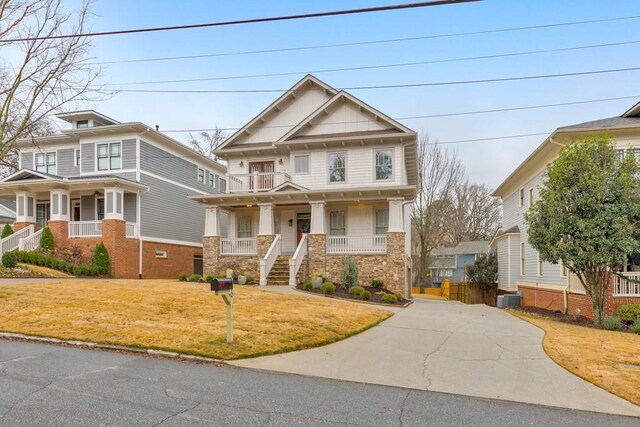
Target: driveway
(471,350)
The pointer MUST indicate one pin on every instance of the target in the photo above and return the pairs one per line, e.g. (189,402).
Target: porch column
(266,219)
(232,224)
(60,214)
(211,225)
(25,210)
(395,276)
(113,203)
(317,218)
(317,246)
(396,215)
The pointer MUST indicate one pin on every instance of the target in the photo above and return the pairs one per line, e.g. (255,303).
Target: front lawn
(180,317)
(608,359)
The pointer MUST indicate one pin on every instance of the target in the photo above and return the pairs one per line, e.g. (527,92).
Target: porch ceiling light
(280,162)
(241,164)
(97,194)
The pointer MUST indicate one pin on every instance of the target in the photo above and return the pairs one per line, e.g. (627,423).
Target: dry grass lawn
(608,359)
(180,317)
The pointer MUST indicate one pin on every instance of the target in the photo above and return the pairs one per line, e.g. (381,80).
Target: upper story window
(81,124)
(384,164)
(521,197)
(201,176)
(337,223)
(530,197)
(337,167)
(109,156)
(301,164)
(382,221)
(620,154)
(47,163)
(77,157)
(223,185)
(212,180)
(522,260)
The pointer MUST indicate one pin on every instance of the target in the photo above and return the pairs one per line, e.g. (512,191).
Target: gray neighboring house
(103,170)
(7,212)
(450,262)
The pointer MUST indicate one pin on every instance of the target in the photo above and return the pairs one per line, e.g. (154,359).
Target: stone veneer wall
(214,263)
(317,252)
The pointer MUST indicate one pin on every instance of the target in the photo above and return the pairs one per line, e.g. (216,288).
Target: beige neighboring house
(519,268)
(316,176)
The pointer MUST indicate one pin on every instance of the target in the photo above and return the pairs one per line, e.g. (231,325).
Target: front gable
(25,174)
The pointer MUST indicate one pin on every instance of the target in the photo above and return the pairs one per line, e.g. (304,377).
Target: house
(124,184)
(451,262)
(544,284)
(7,212)
(318,175)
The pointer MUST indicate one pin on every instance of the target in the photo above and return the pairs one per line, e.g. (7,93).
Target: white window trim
(45,160)
(95,156)
(211,174)
(521,197)
(375,219)
(522,259)
(95,208)
(77,158)
(74,203)
(393,163)
(346,223)
(539,266)
(204,176)
(293,163)
(530,196)
(346,167)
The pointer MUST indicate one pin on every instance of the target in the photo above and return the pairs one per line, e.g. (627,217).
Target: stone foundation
(215,264)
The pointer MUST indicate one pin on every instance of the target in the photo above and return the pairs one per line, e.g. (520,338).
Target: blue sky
(486,162)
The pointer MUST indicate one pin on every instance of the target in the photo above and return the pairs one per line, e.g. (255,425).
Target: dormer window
(81,124)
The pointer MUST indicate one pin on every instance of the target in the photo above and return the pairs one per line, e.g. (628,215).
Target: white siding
(346,118)
(503,259)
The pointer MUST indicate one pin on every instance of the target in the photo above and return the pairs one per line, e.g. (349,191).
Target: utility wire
(247,21)
(379,66)
(366,42)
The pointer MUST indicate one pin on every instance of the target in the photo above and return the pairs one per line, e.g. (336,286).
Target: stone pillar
(395,276)
(317,247)
(211,255)
(211,223)
(25,210)
(266,219)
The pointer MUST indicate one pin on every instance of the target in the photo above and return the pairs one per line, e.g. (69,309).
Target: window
(223,185)
(522,259)
(382,221)
(201,176)
(109,156)
(301,164)
(337,167)
(521,197)
(384,164)
(530,197)
(620,154)
(244,227)
(46,162)
(563,270)
(337,224)
(77,153)
(100,208)
(540,266)
(81,124)
(212,180)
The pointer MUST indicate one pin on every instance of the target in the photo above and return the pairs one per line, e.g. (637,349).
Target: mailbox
(218,285)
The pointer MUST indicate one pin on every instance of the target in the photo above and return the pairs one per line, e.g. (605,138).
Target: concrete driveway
(450,347)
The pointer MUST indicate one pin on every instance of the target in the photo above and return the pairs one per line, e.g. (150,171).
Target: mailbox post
(224,288)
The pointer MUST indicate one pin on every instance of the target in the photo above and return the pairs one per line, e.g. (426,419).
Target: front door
(265,182)
(75,210)
(43,213)
(304,225)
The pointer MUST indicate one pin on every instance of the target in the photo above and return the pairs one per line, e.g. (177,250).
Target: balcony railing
(255,182)
(85,229)
(624,287)
(376,244)
(243,246)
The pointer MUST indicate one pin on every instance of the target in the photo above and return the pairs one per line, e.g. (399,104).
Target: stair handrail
(269,259)
(31,242)
(12,242)
(296,261)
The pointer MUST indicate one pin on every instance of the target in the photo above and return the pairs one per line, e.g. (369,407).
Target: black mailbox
(221,285)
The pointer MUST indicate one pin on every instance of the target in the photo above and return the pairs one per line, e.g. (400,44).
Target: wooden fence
(461,292)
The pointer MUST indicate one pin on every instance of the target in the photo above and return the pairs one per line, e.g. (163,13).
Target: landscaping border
(405,305)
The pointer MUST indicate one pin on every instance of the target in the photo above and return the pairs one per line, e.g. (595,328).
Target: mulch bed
(376,295)
(567,318)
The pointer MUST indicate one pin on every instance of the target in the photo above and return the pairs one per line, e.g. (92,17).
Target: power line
(493,138)
(366,42)
(369,67)
(248,21)
(390,86)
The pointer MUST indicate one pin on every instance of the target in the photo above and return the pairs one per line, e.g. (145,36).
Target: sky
(488,162)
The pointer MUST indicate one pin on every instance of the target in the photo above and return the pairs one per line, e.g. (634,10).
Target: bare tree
(43,74)
(439,174)
(9,163)
(475,214)
(208,143)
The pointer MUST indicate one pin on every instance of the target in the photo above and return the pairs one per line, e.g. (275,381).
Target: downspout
(139,237)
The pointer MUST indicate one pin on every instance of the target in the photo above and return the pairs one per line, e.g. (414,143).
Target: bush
(9,260)
(612,323)
(46,239)
(349,275)
(328,288)
(635,328)
(7,231)
(377,283)
(45,260)
(366,295)
(182,277)
(101,258)
(399,297)
(195,278)
(307,287)
(389,298)
(208,279)
(628,312)
(250,279)
(356,290)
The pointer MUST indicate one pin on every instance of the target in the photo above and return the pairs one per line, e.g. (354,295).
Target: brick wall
(179,260)
(123,253)
(20,225)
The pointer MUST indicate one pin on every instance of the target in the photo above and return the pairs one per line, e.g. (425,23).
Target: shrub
(250,279)
(628,312)
(209,279)
(307,287)
(356,290)
(7,231)
(377,283)
(366,295)
(612,323)
(399,297)
(195,278)
(349,274)
(9,260)
(182,277)
(101,258)
(389,298)
(635,328)
(46,239)
(328,288)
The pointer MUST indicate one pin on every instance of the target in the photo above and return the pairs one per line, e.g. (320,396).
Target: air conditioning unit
(511,300)
(500,303)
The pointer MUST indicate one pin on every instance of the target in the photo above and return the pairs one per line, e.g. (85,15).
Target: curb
(405,305)
(111,347)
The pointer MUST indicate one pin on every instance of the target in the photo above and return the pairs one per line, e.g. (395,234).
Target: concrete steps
(279,274)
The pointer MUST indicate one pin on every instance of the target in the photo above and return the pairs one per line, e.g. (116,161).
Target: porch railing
(242,246)
(85,229)
(11,243)
(624,287)
(31,242)
(296,260)
(376,244)
(255,182)
(132,229)
(266,263)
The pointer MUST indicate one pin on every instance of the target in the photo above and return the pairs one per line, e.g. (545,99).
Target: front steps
(279,274)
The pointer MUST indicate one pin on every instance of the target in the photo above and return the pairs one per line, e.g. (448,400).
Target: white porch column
(317,218)
(266,219)
(232,224)
(211,226)
(60,205)
(396,215)
(113,203)
(25,207)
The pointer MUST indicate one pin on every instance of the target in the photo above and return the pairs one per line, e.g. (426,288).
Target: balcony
(255,182)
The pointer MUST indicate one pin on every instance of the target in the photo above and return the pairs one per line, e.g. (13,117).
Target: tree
(483,273)
(208,143)
(9,163)
(475,214)
(587,214)
(7,231)
(46,74)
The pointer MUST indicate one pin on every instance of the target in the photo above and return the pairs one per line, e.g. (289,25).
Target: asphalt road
(46,385)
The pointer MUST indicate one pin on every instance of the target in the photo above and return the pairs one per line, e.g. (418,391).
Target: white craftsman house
(316,176)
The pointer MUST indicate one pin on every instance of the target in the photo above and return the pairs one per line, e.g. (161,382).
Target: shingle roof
(471,247)
(606,123)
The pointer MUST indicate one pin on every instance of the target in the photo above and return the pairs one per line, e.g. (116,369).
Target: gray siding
(88,157)
(162,163)
(66,162)
(130,207)
(27,160)
(129,154)
(515,261)
(166,213)
(87,208)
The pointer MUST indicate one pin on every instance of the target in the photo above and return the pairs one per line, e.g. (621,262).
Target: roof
(462,248)
(8,204)
(606,123)
(499,233)
(86,115)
